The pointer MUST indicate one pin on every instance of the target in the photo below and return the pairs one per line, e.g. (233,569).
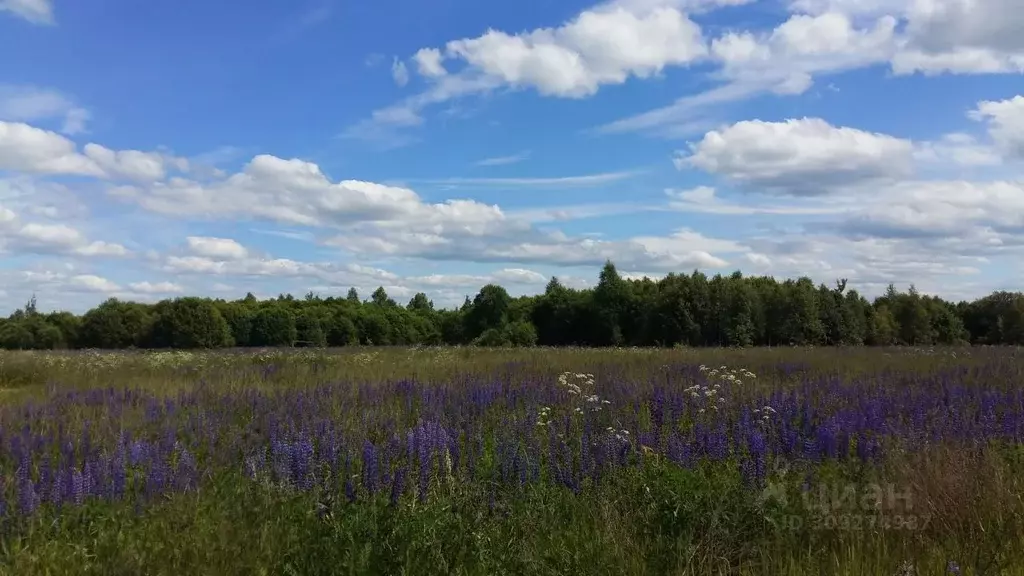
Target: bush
(521,333)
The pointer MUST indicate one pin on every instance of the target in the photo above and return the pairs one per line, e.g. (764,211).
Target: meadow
(455,460)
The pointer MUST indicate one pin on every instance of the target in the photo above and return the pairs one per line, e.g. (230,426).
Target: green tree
(116,324)
(882,329)
(274,325)
(310,330)
(521,333)
(611,303)
(489,310)
(15,335)
(374,326)
(69,326)
(239,317)
(380,297)
(420,303)
(341,330)
(353,296)
(190,323)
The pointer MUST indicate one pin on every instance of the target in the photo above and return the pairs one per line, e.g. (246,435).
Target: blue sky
(148,151)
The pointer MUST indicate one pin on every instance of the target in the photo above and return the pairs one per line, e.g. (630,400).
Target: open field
(530,461)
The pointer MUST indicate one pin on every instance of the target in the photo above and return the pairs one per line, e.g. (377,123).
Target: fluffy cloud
(957,149)
(803,157)
(216,248)
(887,216)
(25,148)
(29,103)
(19,237)
(675,252)
(156,287)
(601,46)
(93,283)
(977,215)
(331,277)
(784,61)
(65,287)
(962,36)
(1005,120)
(297,192)
(133,164)
(614,41)
(605,45)
(872,263)
(369,219)
(430,62)
(36,197)
(830,36)
(35,11)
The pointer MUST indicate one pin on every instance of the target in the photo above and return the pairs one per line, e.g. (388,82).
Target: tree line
(679,309)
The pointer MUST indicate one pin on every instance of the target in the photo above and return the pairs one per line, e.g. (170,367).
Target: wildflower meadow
(454,460)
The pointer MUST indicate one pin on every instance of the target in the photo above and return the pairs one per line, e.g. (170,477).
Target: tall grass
(536,461)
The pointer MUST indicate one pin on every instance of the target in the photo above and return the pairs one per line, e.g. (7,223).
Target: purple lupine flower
(45,479)
(77,487)
(28,500)
(118,474)
(156,475)
(186,470)
(350,489)
(281,455)
(138,453)
(371,474)
(58,488)
(423,449)
(753,467)
(91,477)
(398,485)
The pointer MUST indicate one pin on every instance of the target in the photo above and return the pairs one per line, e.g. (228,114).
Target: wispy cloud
(297,235)
(399,72)
(584,180)
(310,18)
(582,212)
(704,200)
(35,11)
(683,115)
(504,160)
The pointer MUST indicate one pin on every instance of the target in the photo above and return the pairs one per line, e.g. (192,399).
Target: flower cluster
(725,374)
(582,398)
(621,435)
(764,414)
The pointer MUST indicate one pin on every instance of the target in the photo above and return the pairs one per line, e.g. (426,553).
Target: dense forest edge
(689,310)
